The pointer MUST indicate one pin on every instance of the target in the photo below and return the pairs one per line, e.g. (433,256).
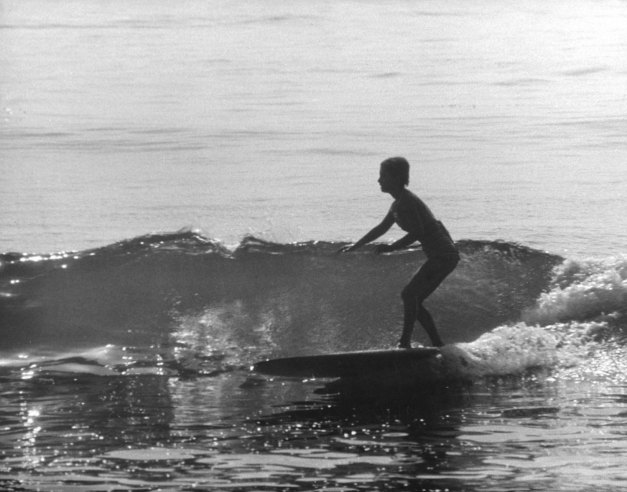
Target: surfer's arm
(407,240)
(375,233)
(411,217)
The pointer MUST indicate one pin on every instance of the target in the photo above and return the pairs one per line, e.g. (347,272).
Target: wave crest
(197,306)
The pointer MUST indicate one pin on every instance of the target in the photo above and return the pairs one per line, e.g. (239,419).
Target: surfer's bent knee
(428,278)
(409,293)
(414,293)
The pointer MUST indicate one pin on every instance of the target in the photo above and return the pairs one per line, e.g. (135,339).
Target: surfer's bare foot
(437,341)
(404,344)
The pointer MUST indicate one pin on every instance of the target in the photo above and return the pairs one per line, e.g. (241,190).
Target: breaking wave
(181,303)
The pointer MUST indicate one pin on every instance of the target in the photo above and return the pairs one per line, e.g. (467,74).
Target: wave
(183,303)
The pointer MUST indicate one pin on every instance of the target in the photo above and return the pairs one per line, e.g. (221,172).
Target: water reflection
(53,416)
(233,429)
(331,435)
(237,431)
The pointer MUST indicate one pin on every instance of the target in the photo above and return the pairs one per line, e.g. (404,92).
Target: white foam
(583,290)
(502,351)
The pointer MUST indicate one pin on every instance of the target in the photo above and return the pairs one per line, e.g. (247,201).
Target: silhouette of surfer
(412,215)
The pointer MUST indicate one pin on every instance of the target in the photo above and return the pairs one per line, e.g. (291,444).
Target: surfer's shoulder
(407,200)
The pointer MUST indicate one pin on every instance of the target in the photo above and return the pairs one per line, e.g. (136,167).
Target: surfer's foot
(404,344)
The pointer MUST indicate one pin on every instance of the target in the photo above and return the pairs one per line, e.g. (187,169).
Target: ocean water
(175,181)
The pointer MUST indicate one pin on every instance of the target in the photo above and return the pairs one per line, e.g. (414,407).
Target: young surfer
(414,217)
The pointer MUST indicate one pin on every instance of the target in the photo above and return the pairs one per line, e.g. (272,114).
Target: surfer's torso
(413,216)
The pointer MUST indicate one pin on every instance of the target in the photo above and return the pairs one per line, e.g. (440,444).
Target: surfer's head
(394,173)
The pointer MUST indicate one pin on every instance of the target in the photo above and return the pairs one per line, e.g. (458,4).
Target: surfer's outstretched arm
(402,243)
(375,233)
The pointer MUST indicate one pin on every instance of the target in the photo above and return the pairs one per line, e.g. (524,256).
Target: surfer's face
(387,180)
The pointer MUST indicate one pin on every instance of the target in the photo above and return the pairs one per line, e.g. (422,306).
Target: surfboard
(347,364)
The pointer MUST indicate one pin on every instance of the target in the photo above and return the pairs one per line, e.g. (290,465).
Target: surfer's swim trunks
(437,243)
(442,258)
(435,239)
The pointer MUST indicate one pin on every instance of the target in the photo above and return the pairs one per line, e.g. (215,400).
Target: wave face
(182,302)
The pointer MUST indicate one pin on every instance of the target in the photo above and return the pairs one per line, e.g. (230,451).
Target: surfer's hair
(398,167)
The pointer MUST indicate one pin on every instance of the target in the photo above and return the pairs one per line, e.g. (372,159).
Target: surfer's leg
(418,288)
(421,286)
(424,318)
(409,318)
(414,311)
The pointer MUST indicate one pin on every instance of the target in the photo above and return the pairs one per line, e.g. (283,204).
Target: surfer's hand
(383,248)
(346,249)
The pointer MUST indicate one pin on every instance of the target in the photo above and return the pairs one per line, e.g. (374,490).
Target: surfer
(412,215)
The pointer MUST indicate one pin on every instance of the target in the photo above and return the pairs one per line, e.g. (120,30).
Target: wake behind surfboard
(348,364)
